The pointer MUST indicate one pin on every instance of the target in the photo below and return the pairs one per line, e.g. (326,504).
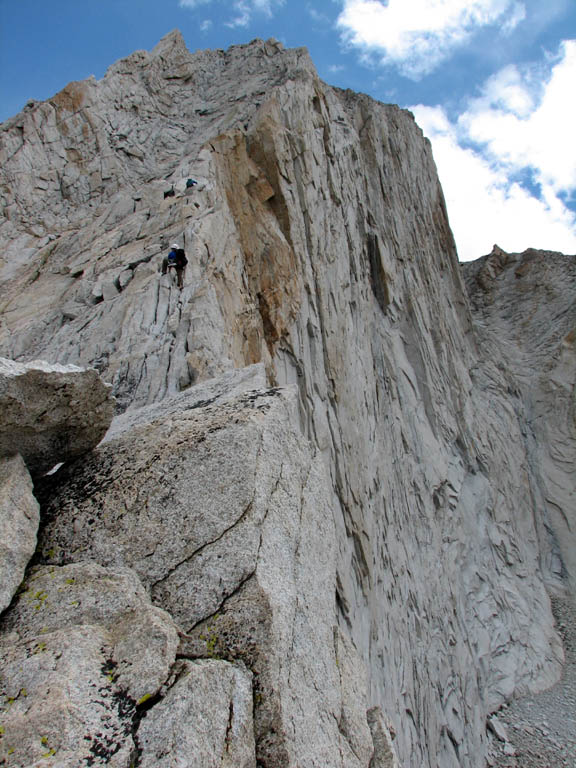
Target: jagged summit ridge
(169,44)
(98,137)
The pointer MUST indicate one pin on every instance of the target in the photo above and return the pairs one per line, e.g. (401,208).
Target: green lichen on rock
(211,640)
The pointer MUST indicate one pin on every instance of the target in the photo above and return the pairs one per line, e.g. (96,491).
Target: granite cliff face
(344,483)
(525,305)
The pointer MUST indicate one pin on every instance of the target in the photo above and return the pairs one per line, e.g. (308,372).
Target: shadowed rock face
(51,413)
(319,253)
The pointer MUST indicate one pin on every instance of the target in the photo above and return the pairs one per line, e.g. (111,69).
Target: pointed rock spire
(173,40)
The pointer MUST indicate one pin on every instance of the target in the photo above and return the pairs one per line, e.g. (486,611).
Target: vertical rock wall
(319,245)
(438,560)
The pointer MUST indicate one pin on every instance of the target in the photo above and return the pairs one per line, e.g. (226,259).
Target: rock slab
(203,721)
(19,518)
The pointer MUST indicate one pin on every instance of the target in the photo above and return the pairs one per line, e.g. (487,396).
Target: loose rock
(51,413)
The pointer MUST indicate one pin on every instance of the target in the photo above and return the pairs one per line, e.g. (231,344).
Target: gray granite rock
(61,704)
(19,518)
(81,648)
(203,721)
(383,738)
(358,739)
(93,210)
(51,413)
(525,305)
(210,392)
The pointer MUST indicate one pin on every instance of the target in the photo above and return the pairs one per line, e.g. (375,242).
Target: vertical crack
(147,703)
(228,737)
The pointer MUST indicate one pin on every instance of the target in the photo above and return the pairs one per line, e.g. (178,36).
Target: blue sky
(491,82)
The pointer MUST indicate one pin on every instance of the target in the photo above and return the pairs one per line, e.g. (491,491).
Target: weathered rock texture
(51,413)
(80,648)
(319,248)
(526,303)
(19,518)
(222,512)
(204,721)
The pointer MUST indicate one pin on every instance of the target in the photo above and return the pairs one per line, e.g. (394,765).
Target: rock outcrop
(205,719)
(19,518)
(222,512)
(388,523)
(244,563)
(81,648)
(51,413)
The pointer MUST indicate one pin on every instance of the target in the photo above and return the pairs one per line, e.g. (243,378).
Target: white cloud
(193,3)
(510,91)
(517,14)
(243,10)
(243,15)
(519,126)
(205,25)
(417,35)
(266,6)
(317,16)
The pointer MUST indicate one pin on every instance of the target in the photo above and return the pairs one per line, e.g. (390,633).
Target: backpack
(180,258)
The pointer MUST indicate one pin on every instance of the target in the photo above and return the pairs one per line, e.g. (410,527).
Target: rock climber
(190,184)
(177,260)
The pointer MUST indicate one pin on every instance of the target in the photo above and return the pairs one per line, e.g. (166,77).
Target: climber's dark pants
(166,267)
